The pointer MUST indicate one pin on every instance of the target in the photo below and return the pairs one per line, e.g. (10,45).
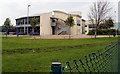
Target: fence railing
(105,60)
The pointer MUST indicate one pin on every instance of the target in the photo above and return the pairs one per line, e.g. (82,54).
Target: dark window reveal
(78,24)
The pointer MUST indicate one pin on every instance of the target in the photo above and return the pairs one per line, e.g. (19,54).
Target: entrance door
(53,30)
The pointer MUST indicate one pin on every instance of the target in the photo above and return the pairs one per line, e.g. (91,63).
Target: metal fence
(105,60)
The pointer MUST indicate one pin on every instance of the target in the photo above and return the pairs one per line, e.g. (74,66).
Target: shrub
(104,32)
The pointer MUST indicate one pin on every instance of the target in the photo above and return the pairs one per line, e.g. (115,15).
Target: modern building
(53,23)
(23,24)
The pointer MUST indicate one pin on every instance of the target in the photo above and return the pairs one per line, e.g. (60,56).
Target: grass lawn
(2,33)
(36,55)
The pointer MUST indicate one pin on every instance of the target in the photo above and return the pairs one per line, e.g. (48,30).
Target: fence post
(118,44)
(56,68)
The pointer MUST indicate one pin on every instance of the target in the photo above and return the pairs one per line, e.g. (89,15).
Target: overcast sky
(17,8)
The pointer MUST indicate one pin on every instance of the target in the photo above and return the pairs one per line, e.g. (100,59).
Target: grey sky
(18,8)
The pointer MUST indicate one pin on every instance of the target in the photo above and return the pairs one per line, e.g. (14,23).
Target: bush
(104,32)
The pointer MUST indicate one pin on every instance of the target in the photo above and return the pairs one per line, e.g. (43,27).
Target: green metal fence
(105,60)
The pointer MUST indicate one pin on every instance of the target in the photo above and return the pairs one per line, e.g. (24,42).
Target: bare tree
(98,13)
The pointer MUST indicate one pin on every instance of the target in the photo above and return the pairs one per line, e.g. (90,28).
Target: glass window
(23,21)
(78,24)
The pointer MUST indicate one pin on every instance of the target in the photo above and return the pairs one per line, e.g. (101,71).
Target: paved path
(65,36)
(57,36)
(11,35)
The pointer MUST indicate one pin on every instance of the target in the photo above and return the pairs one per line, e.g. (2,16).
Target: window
(78,21)
(78,24)
(23,21)
(18,23)
(29,22)
(26,21)
(39,20)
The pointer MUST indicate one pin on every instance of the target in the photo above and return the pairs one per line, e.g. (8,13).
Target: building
(53,23)
(92,26)
(23,24)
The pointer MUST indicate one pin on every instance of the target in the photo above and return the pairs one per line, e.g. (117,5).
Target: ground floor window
(28,30)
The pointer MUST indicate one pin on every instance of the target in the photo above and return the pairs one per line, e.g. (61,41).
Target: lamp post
(28,17)
(115,23)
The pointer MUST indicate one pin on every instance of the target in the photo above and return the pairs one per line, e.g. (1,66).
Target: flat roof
(52,11)
(57,18)
(26,17)
(67,13)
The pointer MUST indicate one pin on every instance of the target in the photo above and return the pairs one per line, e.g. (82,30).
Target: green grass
(2,33)
(23,55)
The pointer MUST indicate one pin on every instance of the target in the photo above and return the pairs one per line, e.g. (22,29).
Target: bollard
(17,33)
(56,68)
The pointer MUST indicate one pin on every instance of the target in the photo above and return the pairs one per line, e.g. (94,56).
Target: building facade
(53,23)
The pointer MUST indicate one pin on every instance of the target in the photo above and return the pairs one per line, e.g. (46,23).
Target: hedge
(104,32)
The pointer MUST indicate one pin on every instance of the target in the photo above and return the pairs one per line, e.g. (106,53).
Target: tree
(7,25)
(98,13)
(33,23)
(109,23)
(69,22)
(106,24)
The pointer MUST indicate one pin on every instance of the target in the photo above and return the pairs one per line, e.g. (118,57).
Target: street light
(28,17)
(115,23)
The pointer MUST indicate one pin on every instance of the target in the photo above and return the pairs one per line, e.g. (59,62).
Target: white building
(53,23)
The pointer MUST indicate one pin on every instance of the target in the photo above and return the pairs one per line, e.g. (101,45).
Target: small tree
(33,23)
(70,22)
(7,25)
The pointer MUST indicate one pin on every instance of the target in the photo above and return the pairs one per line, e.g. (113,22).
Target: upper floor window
(18,22)
(85,25)
(23,21)
(78,21)
(26,20)
(78,24)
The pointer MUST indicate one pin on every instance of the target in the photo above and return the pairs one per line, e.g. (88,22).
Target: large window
(17,22)
(26,20)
